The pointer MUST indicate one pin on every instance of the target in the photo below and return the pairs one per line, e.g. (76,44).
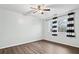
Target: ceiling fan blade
(35,11)
(46,9)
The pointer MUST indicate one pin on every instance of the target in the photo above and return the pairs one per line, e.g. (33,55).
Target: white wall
(17,29)
(61,38)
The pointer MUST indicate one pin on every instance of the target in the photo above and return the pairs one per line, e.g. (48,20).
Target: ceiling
(25,8)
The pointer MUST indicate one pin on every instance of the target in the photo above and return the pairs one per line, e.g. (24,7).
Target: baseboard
(59,43)
(53,42)
(13,45)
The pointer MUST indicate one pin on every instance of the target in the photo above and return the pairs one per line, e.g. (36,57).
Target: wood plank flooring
(40,47)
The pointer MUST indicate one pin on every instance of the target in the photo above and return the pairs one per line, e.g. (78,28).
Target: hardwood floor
(40,47)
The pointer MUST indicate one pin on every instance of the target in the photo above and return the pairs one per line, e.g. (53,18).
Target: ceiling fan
(41,8)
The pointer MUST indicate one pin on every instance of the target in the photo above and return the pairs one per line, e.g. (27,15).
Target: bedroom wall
(17,29)
(61,38)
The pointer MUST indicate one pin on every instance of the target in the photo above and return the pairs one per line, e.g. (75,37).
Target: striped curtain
(54,26)
(70,25)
